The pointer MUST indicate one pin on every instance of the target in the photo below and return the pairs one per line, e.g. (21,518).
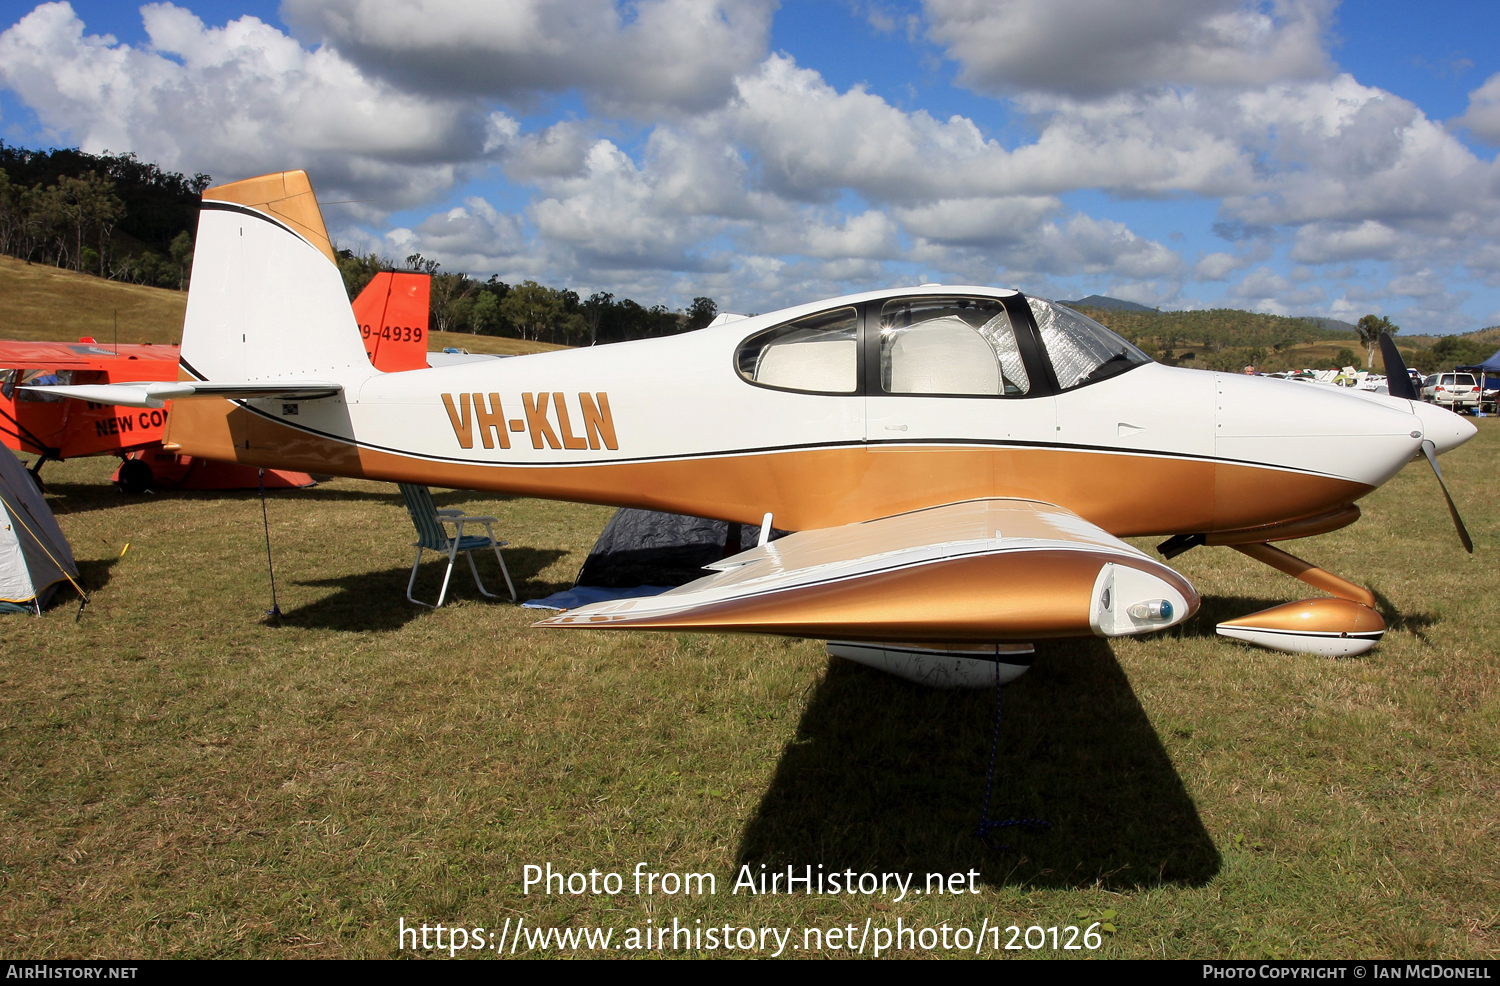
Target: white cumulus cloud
(635,58)
(709,165)
(1090,48)
(236,101)
(473,236)
(1482,119)
(1218,266)
(609,217)
(1321,243)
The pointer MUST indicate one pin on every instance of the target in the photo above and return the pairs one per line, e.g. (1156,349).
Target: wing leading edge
(980,570)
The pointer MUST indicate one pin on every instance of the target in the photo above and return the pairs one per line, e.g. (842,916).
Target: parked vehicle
(1456,391)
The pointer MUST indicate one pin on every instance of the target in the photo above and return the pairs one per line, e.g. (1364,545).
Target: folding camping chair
(433,536)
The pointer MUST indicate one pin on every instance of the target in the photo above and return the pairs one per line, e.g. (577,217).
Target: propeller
(1398,382)
(1430,450)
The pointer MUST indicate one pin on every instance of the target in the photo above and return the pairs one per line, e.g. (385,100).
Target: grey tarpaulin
(647,547)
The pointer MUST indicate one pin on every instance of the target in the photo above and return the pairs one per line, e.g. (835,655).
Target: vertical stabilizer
(266,300)
(392,315)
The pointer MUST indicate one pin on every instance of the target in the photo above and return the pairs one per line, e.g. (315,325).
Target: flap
(983,570)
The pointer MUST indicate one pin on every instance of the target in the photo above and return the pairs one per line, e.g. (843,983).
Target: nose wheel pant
(1343,626)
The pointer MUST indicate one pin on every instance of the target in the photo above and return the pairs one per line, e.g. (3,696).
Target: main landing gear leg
(1342,627)
(36,470)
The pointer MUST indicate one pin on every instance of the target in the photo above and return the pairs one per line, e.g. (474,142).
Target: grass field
(181,778)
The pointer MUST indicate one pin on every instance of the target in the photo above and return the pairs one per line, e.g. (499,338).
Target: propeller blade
(1429,450)
(1398,383)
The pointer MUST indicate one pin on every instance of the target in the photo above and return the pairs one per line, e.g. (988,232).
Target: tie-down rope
(985,825)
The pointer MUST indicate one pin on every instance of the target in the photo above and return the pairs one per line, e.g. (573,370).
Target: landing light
(1153,609)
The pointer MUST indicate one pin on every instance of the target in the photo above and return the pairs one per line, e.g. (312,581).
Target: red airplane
(392,316)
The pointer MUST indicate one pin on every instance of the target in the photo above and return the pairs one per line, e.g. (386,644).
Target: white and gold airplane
(958,464)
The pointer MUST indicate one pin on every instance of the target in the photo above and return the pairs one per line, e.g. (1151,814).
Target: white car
(1457,391)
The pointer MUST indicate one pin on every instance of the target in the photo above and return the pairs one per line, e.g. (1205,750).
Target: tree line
(111,215)
(529,310)
(1451,351)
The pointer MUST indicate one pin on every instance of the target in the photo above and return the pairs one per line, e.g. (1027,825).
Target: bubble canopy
(937,344)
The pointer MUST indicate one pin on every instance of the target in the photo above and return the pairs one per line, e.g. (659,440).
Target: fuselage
(690,424)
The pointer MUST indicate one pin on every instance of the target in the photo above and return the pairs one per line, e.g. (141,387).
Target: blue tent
(1489,371)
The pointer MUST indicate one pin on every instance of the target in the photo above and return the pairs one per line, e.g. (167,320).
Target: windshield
(1082,351)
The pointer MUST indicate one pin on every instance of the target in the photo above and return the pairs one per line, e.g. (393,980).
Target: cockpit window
(1082,350)
(949,346)
(35,378)
(818,353)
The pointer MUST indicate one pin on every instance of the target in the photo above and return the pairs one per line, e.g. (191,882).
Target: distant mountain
(1328,323)
(1104,301)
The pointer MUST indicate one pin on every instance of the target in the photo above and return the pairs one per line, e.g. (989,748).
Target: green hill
(1445,352)
(52,304)
(1214,329)
(1228,339)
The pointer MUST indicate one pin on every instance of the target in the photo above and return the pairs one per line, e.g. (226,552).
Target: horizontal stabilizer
(981,570)
(155,393)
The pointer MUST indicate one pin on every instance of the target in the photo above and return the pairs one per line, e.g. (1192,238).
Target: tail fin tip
(287,195)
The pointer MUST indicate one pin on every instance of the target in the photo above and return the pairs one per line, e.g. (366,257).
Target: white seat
(942,356)
(827,365)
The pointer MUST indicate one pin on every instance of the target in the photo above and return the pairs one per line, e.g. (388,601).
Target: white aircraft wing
(155,393)
(980,570)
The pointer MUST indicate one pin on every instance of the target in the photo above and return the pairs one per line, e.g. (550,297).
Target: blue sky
(1294,156)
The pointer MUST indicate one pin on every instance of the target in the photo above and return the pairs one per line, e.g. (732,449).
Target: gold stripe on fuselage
(1127,494)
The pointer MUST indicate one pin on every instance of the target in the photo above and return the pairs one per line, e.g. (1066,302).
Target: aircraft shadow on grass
(886,776)
(377,600)
(1412,623)
(82,498)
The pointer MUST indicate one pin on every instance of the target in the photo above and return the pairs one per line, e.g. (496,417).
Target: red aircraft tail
(392,316)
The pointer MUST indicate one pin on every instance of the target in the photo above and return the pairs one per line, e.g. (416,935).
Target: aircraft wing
(979,570)
(81,354)
(155,393)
